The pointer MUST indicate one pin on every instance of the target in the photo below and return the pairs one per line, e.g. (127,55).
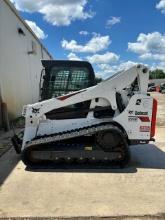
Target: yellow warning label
(88,148)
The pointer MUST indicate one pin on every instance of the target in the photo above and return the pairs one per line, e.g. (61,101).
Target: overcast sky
(111,34)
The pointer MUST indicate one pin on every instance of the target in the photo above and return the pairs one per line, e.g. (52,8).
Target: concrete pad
(137,190)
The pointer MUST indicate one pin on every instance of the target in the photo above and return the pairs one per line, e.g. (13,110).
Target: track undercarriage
(86,145)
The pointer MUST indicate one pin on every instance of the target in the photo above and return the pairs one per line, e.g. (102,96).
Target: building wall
(19,71)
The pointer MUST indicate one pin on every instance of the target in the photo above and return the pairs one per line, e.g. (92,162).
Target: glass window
(64,80)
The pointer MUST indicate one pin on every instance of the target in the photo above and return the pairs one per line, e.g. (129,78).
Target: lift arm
(105,90)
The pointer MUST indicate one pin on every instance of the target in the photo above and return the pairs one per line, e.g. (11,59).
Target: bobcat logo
(138,101)
(130,112)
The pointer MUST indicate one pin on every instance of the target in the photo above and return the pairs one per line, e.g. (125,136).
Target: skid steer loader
(77,121)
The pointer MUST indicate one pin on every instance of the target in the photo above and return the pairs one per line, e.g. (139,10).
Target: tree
(157,74)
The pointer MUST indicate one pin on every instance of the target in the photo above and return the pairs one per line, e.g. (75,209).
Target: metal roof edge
(14,10)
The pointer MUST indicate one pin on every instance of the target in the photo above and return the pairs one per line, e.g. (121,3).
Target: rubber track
(37,142)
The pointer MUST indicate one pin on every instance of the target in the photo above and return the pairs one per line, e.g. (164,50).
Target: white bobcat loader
(93,124)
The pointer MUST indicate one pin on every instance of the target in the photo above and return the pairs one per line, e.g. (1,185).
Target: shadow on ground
(147,156)
(7,164)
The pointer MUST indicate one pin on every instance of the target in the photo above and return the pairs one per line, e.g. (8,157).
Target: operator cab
(62,77)
(65,76)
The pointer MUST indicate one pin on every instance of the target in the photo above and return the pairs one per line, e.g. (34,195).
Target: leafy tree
(157,74)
